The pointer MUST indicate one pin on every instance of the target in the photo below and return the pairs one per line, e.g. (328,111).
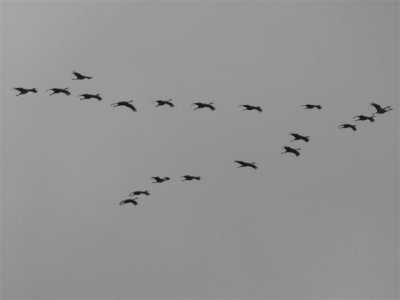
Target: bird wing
(130,106)
(377,106)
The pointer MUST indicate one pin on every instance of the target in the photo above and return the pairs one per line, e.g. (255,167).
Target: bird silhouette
(79,76)
(295,151)
(124,103)
(23,91)
(297,137)
(160,179)
(311,106)
(354,127)
(126,201)
(243,164)
(203,105)
(364,118)
(59,91)
(90,96)
(251,107)
(380,109)
(137,193)
(190,178)
(164,102)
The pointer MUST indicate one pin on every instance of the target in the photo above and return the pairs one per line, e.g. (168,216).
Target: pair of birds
(379,111)
(296,137)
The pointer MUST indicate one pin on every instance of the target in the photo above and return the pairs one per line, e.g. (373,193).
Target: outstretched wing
(129,105)
(377,106)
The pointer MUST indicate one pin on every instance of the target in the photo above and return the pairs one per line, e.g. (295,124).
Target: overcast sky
(321,225)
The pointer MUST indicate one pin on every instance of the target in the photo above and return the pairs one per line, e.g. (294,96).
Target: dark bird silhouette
(90,96)
(251,107)
(137,193)
(295,151)
(311,106)
(243,164)
(380,109)
(203,105)
(124,103)
(164,102)
(23,91)
(59,91)
(79,76)
(354,127)
(297,137)
(364,118)
(133,201)
(190,178)
(160,179)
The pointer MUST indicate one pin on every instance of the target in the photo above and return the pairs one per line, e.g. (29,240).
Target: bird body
(243,164)
(311,106)
(164,102)
(124,103)
(160,179)
(380,109)
(126,201)
(90,96)
(58,91)
(364,118)
(353,127)
(79,76)
(297,136)
(295,151)
(251,107)
(190,178)
(204,105)
(23,91)
(137,193)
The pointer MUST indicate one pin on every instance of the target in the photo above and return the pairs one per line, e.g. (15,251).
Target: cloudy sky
(322,225)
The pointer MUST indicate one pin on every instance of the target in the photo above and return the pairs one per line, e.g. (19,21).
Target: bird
(124,103)
(190,178)
(380,109)
(295,151)
(164,102)
(364,118)
(23,91)
(311,106)
(204,105)
(297,137)
(160,179)
(137,193)
(126,201)
(251,107)
(58,91)
(90,96)
(79,76)
(354,127)
(246,164)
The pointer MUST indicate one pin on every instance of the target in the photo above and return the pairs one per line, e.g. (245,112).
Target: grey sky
(324,225)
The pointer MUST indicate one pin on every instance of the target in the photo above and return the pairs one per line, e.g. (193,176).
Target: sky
(318,226)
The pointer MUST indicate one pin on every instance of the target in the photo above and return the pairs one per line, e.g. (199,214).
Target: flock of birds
(201,105)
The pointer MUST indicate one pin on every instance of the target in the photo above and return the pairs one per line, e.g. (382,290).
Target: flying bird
(124,103)
(133,201)
(364,118)
(59,91)
(137,193)
(311,106)
(164,102)
(297,137)
(190,178)
(23,91)
(354,127)
(295,151)
(90,96)
(160,179)
(243,164)
(79,76)
(251,107)
(203,105)
(380,109)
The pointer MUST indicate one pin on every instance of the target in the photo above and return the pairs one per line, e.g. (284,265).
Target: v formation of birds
(203,105)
